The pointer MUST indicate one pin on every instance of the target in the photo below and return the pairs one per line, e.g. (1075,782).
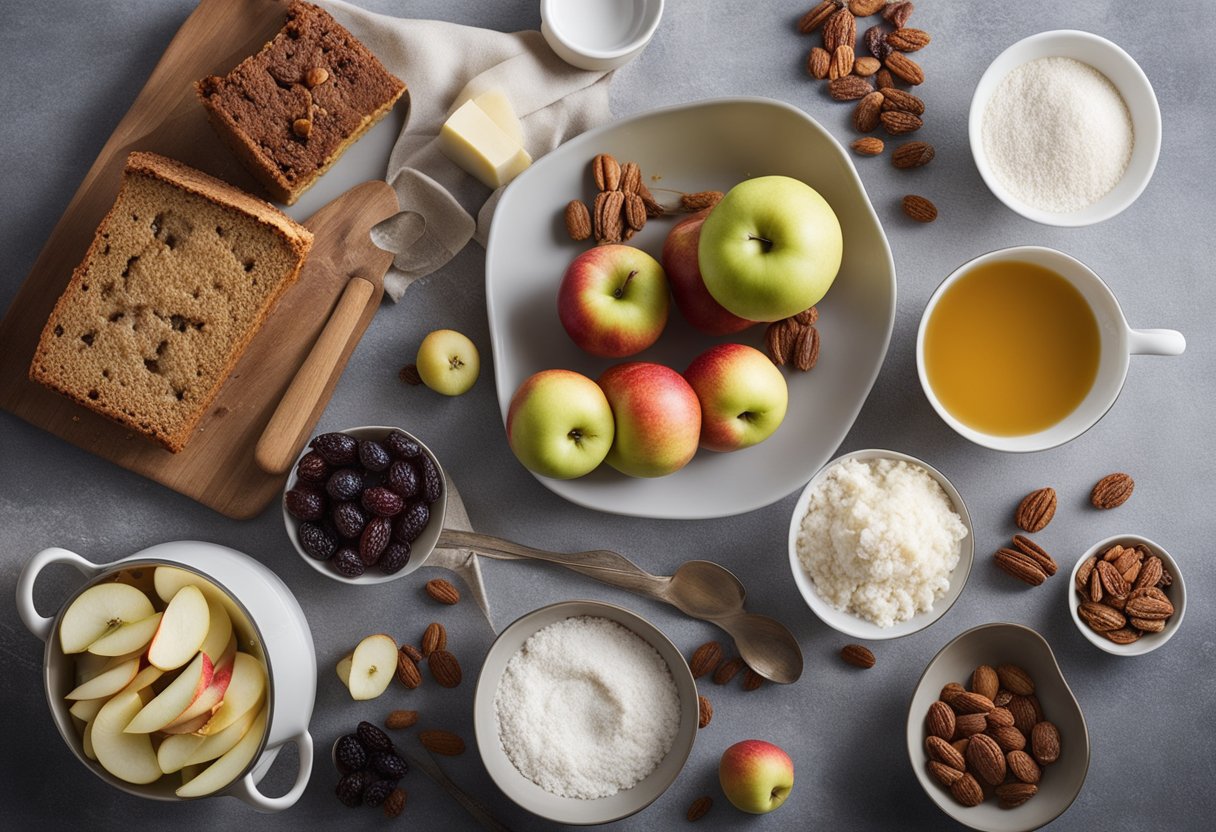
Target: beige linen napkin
(442,207)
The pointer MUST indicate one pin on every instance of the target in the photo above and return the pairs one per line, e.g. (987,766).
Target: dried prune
(376,536)
(373,738)
(401,446)
(344,484)
(349,519)
(350,753)
(313,468)
(389,765)
(382,501)
(304,503)
(403,479)
(410,522)
(317,541)
(432,482)
(350,787)
(373,455)
(337,448)
(396,555)
(347,562)
(378,792)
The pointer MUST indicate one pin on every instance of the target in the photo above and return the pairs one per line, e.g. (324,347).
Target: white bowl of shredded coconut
(584,712)
(1065,128)
(880,544)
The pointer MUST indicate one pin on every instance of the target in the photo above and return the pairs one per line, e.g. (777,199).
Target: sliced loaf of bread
(179,277)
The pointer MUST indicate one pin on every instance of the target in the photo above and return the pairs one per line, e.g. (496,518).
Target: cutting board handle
(288,428)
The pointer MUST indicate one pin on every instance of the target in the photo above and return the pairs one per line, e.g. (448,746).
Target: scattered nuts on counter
(400,719)
(919,208)
(440,742)
(705,659)
(705,711)
(1036,510)
(858,656)
(442,591)
(1112,491)
(699,808)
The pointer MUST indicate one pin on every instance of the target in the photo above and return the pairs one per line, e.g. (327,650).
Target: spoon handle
(480,813)
(601,564)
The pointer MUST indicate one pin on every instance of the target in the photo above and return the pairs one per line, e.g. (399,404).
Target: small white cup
(599,34)
(1118,343)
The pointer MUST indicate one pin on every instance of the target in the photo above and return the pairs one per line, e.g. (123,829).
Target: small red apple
(756,776)
(693,300)
(658,419)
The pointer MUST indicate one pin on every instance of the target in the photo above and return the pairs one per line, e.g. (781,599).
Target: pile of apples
(768,250)
(167,690)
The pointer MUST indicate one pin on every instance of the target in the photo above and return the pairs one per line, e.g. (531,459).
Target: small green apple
(559,424)
(770,249)
(448,362)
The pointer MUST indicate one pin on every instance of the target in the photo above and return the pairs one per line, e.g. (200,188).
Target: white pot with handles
(260,601)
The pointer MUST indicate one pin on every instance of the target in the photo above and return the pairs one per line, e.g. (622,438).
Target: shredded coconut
(1057,134)
(586,708)
(880,539)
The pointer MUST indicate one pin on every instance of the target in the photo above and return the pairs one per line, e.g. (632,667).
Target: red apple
(743,396)
(693,300)
(658,419)
(613,301)
(756,776)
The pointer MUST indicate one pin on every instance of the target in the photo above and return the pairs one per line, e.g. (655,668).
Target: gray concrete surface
(69,70)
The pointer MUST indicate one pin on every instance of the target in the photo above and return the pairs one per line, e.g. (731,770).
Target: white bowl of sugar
(584,712)
(1065,128)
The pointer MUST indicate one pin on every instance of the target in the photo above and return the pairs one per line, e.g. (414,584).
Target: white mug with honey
(1025,348)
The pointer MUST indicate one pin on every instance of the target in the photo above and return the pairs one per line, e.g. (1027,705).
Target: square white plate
(709,145)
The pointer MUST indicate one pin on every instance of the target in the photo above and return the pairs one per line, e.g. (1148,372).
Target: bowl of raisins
(365,505)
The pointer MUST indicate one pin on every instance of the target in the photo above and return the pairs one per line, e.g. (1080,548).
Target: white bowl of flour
(880,544)
(584,712)
(1065,128)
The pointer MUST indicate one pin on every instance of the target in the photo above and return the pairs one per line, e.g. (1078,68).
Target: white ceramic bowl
(853,625)
(994,644)
(1132,84)
(1176,592)
(599,34)
(276,624)
(420,549)
(532,797)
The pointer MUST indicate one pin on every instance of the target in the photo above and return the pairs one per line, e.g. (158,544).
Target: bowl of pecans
(1128,596)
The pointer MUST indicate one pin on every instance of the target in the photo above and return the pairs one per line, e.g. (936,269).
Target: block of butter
(473,139)
(495,104)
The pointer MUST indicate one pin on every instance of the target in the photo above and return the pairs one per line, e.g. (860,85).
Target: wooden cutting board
(217,467)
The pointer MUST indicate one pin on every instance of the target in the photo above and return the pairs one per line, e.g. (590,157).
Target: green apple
(448,362)
(658,419)
(770,249)
(613,301)
(756,776)
(559,424)
(743,396)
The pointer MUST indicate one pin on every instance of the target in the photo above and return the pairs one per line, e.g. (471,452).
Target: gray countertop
(70,69)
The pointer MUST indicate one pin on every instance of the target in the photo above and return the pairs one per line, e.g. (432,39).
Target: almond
(1007,737)
(912,155)
(865,66)
(969,702)
(1149,608)
(857,655)
(960,745)
(578,220)
(818,63)
(905,68)
(869,109)
(705,659)
(441,742)
(840,29)
(951,692)
(1112,491)
(1113,553)
(1129,558)
(400,719)
(1024,713)
(606,171)
(409,375)
(894,99)
(394,803)
(752,680)
(999,718)
(1012,795)
(967,791)
(940,750)
(1146,626)
(1002,698)
(442,591)
(701,806)
(867,146)
(985,681)
(1022,766)
(849,88)
(434,637)
(899,123)
(815,18)
(1150,573)
(965,725)
(944,773)
(940,720)
(407,671)
(1036,510)
(842,62)
(1095,585)
(1045,743)
(865,8)
(727,670)
(919,209)
(987,759)
(1083,572)
(444,668)
(1019,565)
(1112,580)
(705,711)
(1015,680)
(883,79)
(1101,617)
(1124,635)
(908,40)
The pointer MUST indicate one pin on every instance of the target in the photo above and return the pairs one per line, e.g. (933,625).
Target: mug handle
(35,623)
(1156,342)
(247,788)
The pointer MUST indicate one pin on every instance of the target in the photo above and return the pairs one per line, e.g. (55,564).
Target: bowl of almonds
(995,736)
(1127,595)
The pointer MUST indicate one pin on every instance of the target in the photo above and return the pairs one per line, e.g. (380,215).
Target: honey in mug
(1011,348)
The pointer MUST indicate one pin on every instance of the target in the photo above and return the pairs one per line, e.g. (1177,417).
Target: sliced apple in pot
(170,703)
(245,692)
(230,766)
(191,726)
(373,665)
(182,630)
(175,751)
(128,638)
(219,744)
(100,610)
(219,632)
(86,709)
(86,740)
(128,757)
(144,678)
(89,665)
(210,699)
(109,682)
(190,772)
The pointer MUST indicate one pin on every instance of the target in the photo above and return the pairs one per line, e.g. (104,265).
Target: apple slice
(209,700)
(97,611)
(191,726)
(219,744)
(86,709)
(128,638)
(219,633)
(190,772)
(144,678)
(182,630)
(245,692)
(108,682)
(89,665)
(176,750)
(230,766)
(170,703)
(372,667)
(343,668)
(127,756)
(86,740)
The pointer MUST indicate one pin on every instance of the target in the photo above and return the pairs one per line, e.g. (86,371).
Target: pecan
(817,16)
(1101,617)
(807,317)
(806,349)
(839,29)
(818,63)
(635,211)
(578,220)
(779,340)
(908,40)
(608,225)
(606,171)
(866,116)
(1036,553)
(1112,491)
(653,208)
(1036,510)
(842,62)
(631,177)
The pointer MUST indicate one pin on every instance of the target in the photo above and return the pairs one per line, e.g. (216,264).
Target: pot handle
(247,789)
(1156,342)
(35,623)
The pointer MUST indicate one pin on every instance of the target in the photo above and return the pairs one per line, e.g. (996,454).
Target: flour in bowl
(586,708)
(880,539)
